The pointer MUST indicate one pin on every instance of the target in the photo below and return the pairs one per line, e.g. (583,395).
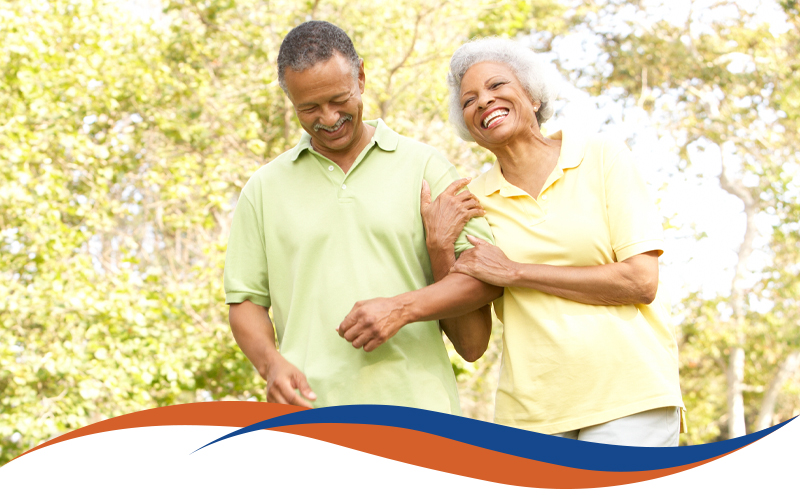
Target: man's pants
(658,427)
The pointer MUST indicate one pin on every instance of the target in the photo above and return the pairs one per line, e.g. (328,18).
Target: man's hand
(372,322)
(445,217)
(282,380)
(254,333)
(486,262)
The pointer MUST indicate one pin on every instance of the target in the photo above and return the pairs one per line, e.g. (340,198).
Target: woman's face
(495,106)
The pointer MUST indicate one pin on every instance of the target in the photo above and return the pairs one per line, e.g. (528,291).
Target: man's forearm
(253,332)
(453,296)
(372,322)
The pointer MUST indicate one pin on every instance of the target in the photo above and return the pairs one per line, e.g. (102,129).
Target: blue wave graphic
(511,441)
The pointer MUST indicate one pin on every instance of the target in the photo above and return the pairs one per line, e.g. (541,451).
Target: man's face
(327,100)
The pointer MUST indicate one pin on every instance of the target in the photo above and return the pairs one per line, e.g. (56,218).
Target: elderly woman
(588,349)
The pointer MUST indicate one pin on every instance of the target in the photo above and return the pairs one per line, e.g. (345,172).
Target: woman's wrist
(442,257)
(436,244)
(514,274)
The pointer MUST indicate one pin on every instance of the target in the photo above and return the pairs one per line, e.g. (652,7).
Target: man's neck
(345,159)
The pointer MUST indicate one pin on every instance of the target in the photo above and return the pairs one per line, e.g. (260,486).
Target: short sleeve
(440,173)
(634,222)
(246,275)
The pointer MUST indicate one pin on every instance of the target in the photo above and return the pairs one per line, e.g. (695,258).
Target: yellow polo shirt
(568,365)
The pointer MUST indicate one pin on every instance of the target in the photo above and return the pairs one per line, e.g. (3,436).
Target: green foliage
(110,207)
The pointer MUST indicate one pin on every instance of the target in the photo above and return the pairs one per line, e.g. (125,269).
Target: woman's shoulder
(606,143)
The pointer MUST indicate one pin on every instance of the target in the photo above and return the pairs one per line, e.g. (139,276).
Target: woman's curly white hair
(538,78)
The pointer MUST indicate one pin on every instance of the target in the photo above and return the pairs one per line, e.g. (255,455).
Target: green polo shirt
(311,241)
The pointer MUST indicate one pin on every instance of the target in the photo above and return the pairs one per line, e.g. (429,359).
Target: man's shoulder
(404,145)
(409,145)
(428,158)
(276,167)
(268,177)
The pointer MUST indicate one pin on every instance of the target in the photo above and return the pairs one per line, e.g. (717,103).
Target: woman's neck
(528,161)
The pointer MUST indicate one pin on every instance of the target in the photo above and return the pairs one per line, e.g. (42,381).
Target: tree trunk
(785,370)
(735,376)
(736,358)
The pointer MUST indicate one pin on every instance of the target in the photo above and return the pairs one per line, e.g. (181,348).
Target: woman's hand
(487,263)
(445,217)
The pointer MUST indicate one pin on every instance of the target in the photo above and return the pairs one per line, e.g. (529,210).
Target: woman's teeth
(494,115)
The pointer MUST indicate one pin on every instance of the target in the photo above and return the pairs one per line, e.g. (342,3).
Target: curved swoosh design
(441,442)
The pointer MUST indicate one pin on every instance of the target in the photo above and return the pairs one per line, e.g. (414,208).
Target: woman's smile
(493,117)
(491,95)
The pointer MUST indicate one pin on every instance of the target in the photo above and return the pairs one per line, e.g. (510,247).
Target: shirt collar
(384,137)
(573,149)
(494,179)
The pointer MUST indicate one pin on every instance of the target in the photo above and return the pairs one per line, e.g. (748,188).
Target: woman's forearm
(632,281)
(470,332)
(442,257)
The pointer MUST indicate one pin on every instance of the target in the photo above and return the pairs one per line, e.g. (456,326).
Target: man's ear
(361,75)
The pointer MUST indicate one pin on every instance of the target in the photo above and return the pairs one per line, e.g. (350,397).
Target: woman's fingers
(475,212)
(466,195)
(461,267)
(476,241)
(456,185)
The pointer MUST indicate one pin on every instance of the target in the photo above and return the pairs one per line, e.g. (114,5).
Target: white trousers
(658,427)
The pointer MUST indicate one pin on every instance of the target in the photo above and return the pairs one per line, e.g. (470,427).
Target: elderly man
(334,221)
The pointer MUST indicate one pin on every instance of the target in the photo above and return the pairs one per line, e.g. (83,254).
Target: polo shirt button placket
(344,194)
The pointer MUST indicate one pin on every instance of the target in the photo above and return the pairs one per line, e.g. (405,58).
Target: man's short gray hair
(314,42)
(536,76)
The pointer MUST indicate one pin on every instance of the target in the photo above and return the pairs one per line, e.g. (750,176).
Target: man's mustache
(338,124)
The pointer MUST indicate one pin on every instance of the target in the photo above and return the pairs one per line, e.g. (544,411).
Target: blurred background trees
(128,128)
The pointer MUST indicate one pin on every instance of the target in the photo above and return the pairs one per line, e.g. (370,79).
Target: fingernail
(311,395)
